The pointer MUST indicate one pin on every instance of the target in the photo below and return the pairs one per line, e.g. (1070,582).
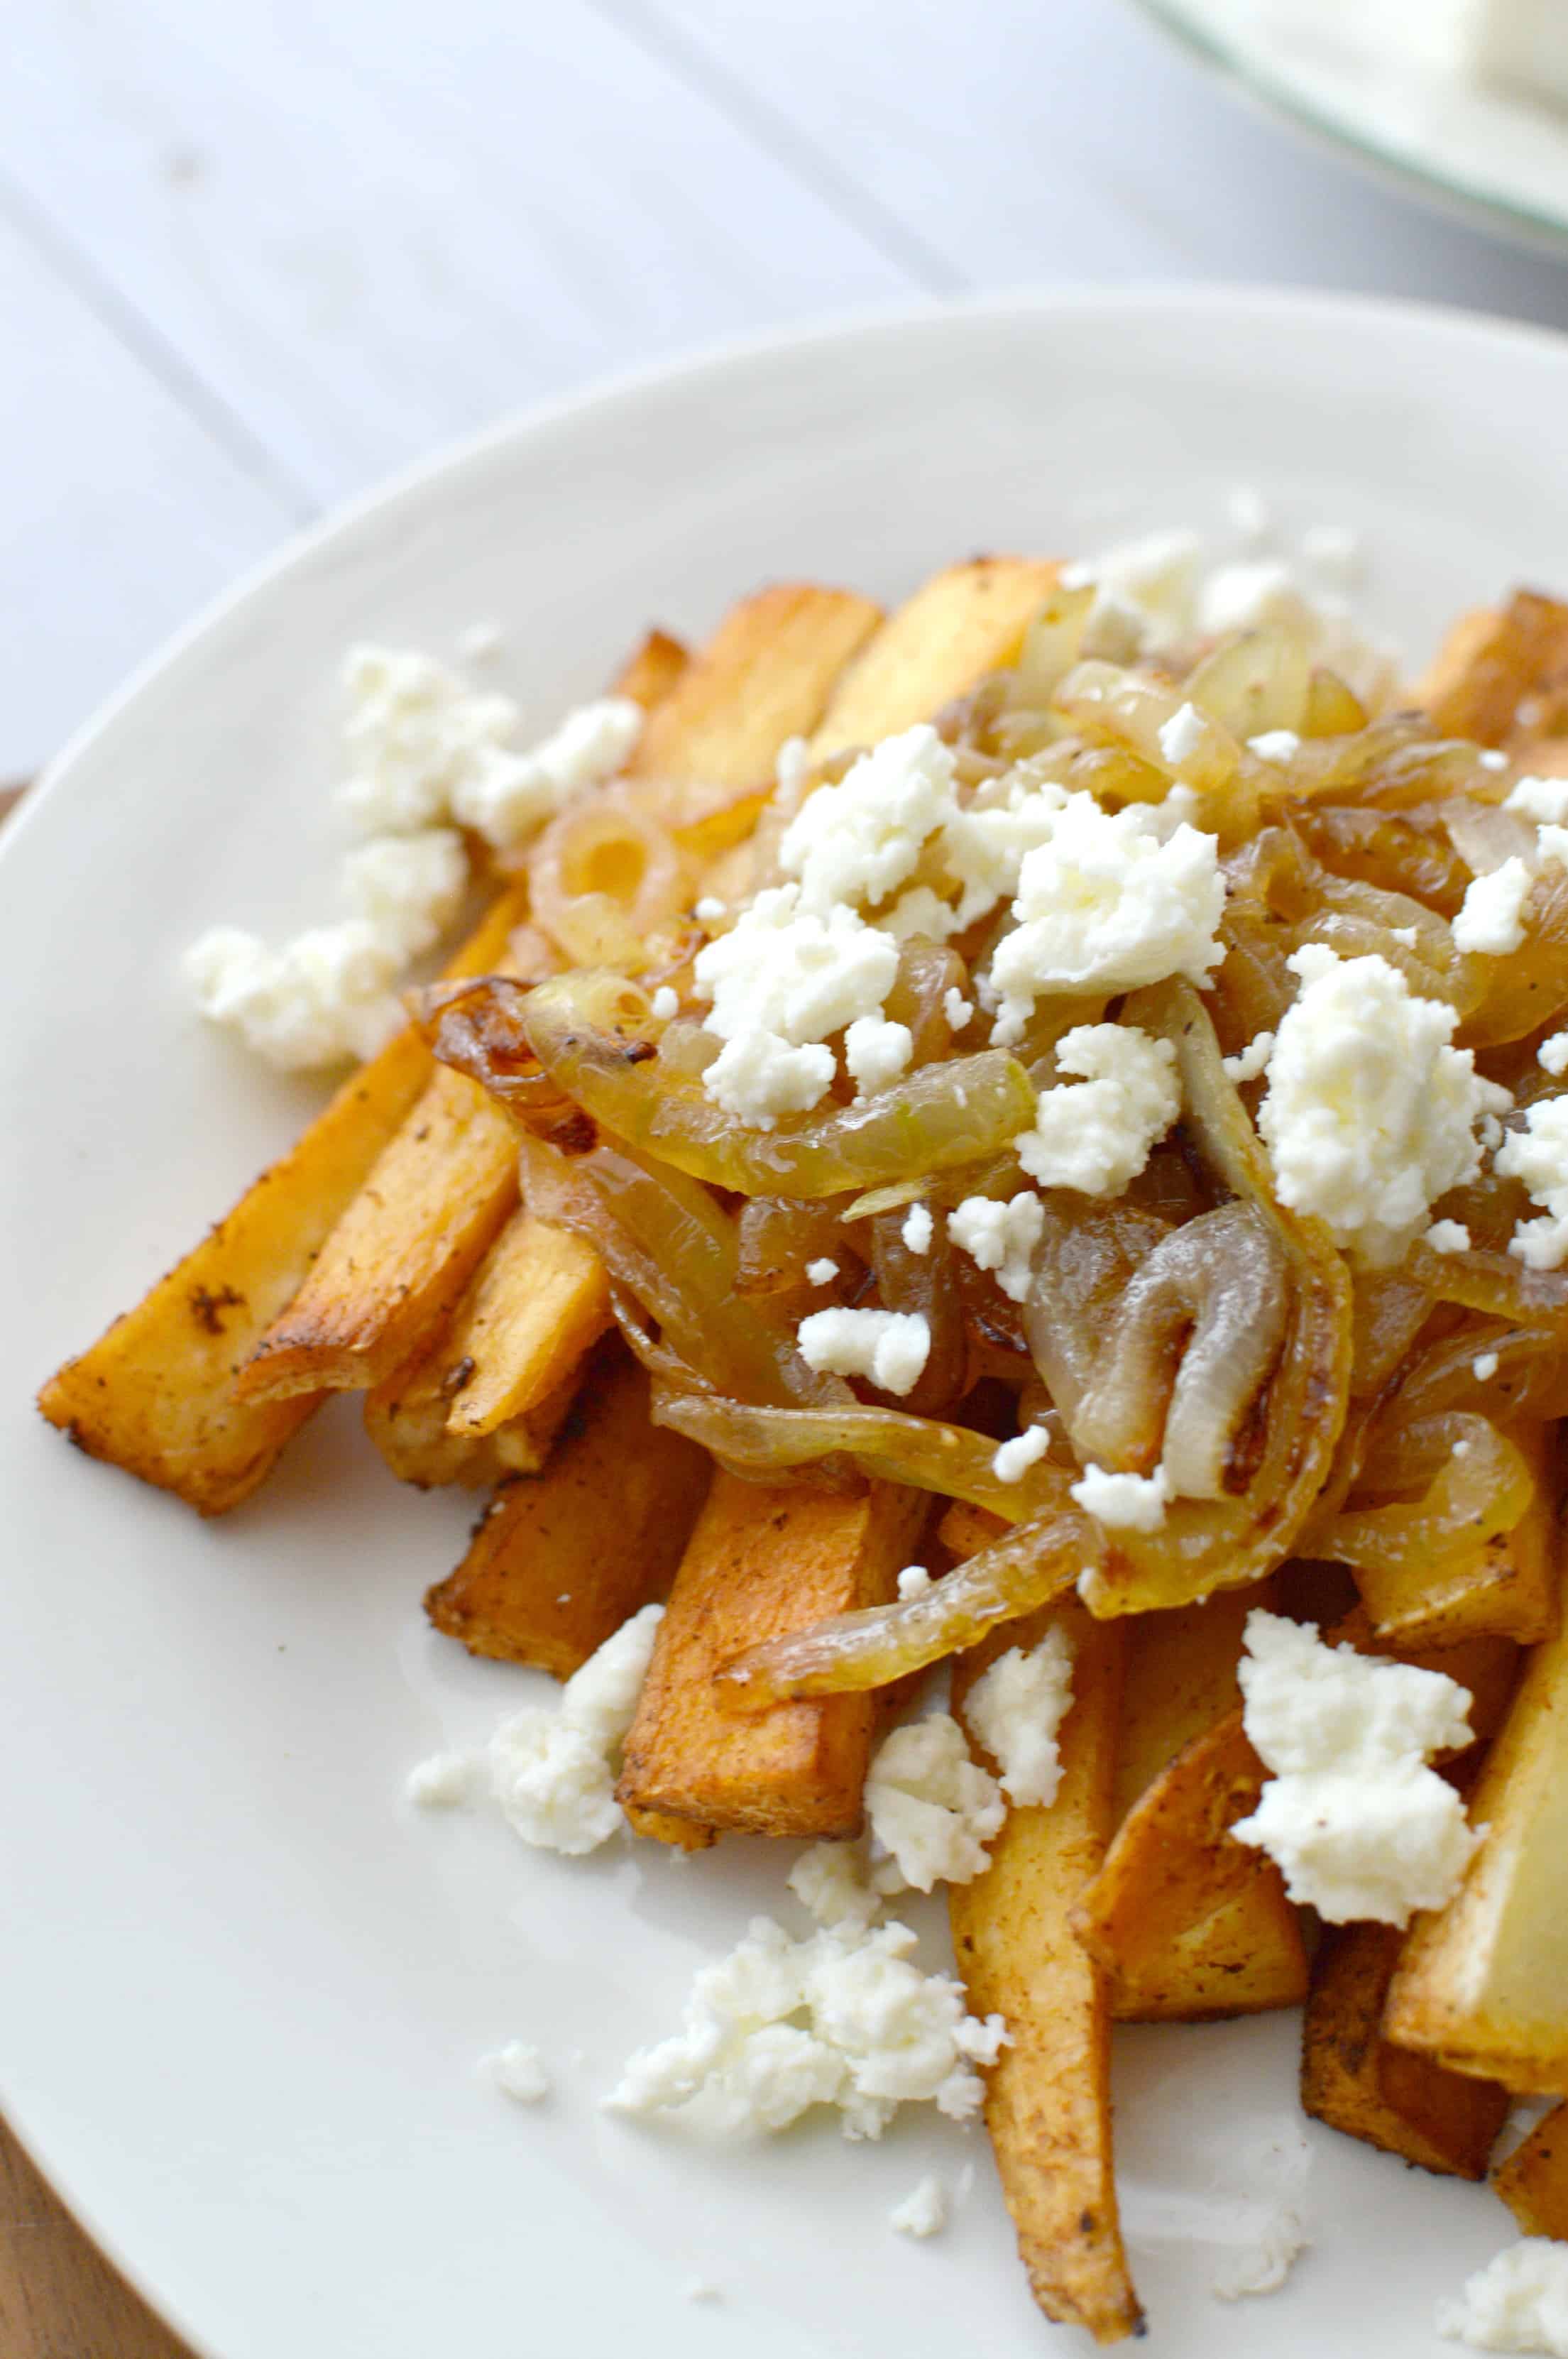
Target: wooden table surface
(254,257)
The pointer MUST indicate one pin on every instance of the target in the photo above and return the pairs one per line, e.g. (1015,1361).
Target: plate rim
(825,334)
(1477,204)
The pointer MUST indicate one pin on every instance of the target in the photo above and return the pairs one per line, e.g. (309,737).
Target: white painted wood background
(254,253)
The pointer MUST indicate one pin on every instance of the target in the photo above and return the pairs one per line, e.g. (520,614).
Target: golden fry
(560,1560)
(1356,2081)
(1534,2182)
(539,1299)
(1186,1922)
(154,1393)
(761,1562)
(1480,1983)
(1047,2099)
(966,622)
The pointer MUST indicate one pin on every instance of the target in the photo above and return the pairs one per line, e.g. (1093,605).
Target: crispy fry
(1048,2100)
(966,622)
(539,1299)
(560,1560)
(1186,1922)
(1534,2182)
(1508,1589)
(1491,662)
(406,1417)
(403,1252)
(650,672)
(762,1560)
(1480,1983)
(764,676)
(153,1395)
(1179,1680)
(1356,2081)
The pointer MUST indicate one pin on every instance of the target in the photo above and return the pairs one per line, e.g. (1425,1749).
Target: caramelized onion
(1467,1497)
(603,877)
(1219,1283)
(584,1030)
(928,1455)
(1027,1568)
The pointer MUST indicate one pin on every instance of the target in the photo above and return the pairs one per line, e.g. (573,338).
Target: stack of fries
(395,1252)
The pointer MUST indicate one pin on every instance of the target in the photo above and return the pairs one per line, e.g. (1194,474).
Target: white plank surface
(123,510)
(253,255)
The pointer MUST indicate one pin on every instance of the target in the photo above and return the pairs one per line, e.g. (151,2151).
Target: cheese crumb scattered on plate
(518,2069)
(924,2212)
(1518,2302)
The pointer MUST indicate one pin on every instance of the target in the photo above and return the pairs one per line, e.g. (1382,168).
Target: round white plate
(243,1985)
(1491,154)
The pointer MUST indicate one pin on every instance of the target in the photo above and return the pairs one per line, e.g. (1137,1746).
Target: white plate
(1491,154)
(243,1985)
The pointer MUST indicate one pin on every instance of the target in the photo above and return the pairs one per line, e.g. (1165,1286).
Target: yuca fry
(963,623)
(1184,1921)
(1490,661)
(561,1559)
(406,1417)
(1479,1983)
(652,670)
(1356,2081)
(154,1393)
(538,1301)
(1179,1680)
(762,1560)
(1047,2099)
(764,676)
(1534,2182)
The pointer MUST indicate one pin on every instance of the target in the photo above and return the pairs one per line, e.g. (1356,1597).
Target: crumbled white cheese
(1359,1823)
(1404,934)
(780,981)
(504,796)
(842,2018)
(830,1881)
(930,1807)
(1016,1708)
(1000,1237)
(859,841)
(409,888)
(919,1228)
(1104,905)
(792,765)
(1095,1135)
(1180,737)
(1133,1503)
(924,2212)
(821,1272)
(1484,1367)
(1369,1115)
(552,1768)
(444,1782)
(1545,800)
(665,1004)
(1248,1062)
(1013,1459)
(1447,1237)
(1492,760)
(518,2069)
(1552,1055)
(889,1347)
(914,1581)
(876,1052)
(1518,2302)
(1263,2265)
(1275,746)
(325,996)
(411,731)
(710,910)
(956,1008)
(1491,919)
(1146,593)
(1537,1154)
